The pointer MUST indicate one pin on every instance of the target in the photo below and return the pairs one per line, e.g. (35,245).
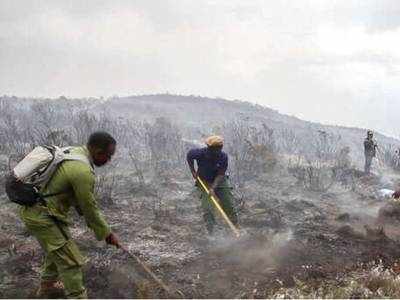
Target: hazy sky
(337,62)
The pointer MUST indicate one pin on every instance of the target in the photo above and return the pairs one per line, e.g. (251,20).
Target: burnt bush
(252,149)
(313,176)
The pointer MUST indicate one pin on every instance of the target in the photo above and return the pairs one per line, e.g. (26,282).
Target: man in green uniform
(49,223)
(212,164)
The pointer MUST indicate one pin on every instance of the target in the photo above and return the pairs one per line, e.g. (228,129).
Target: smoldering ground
(305,217)
(311,246)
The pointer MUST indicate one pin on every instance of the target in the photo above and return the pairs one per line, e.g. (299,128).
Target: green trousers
(63,260)
(225,196)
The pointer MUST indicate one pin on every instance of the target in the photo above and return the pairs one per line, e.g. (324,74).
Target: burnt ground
(288,234)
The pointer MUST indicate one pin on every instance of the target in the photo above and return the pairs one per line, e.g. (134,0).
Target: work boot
(50,289)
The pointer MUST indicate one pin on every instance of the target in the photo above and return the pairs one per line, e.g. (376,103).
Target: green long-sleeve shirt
(76,179)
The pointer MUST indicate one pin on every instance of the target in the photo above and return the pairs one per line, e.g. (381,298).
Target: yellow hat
(214,141)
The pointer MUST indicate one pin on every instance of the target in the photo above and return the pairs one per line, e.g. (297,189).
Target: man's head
(101,146)
(370,134)
(215,143)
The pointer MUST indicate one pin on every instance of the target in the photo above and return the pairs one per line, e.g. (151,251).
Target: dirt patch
(289,236)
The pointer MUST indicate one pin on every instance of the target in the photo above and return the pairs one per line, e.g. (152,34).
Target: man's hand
(396,194)
(112,239)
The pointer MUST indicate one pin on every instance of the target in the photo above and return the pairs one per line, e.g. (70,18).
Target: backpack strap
(73,156)
(69,157)
(79,157)
(52,194)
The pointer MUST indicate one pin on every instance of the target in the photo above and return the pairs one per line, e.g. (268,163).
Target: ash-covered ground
(312,224)
(290,235)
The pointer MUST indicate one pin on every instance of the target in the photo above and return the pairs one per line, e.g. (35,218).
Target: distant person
(48,222)
(370,147)
(212,164)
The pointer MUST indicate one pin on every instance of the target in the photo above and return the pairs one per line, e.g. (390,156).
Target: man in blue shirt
(212,164)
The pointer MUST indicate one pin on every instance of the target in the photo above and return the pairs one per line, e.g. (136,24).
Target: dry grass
(374,282)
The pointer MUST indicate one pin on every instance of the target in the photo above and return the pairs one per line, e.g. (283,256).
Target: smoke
(386,181)
(253,252)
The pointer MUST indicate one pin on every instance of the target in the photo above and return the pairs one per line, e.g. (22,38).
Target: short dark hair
(101,140)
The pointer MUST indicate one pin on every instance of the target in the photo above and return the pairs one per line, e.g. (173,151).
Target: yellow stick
(152,275)
(219,208)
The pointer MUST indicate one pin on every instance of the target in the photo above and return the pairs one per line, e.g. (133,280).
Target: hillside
(310,225)
(205,113)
